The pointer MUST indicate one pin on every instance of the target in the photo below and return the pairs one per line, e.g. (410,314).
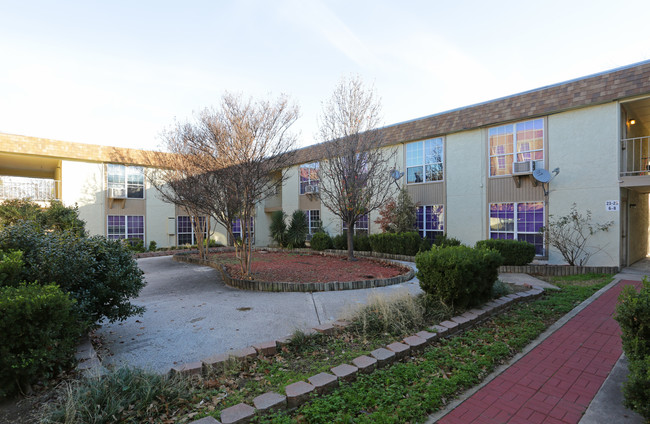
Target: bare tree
(354,176)
(231,158)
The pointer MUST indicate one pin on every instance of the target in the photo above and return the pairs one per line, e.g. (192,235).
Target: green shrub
(56,217)
(398,243)
(633,315)
(443,241)
(458,276)
(340,242)
(321,241)
(11,264)
(298,230)
(135,245)
(153,246)
(100,274)
(500,289)
(514,252)
(361,243)
(278,228)
(38,334)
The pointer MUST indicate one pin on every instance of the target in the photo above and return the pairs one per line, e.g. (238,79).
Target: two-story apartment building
(470,170)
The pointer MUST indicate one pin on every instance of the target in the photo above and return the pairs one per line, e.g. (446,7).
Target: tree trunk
(350,245)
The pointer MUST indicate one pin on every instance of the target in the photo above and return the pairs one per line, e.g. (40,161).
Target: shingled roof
(629,81)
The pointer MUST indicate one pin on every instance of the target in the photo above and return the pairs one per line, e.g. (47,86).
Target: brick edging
(301,287)
(559,270)
(300,392)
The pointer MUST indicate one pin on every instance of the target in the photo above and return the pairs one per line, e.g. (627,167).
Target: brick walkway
(556,381)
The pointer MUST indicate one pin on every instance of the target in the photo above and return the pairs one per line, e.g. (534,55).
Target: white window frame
(125,184)
(419,148)
(425,230)
(192,219)
(310,181)
(241,230)
(313,224)
(516,156)
(126,228)
(357,227)
(515,231)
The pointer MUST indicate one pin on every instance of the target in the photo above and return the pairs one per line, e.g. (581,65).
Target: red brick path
(556,381)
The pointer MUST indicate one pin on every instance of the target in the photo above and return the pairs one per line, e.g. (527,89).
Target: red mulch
(307,268)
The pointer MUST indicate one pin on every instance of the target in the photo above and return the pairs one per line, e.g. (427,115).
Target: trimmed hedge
(399,243)
(38,334)
(340,242)
(361,243)
(458,276)
(514,252)
(321,241)
(633,315)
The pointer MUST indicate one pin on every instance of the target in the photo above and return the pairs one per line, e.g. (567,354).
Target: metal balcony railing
(635,158)
(36,189)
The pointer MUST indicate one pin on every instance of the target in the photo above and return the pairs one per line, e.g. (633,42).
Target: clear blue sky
(118,72)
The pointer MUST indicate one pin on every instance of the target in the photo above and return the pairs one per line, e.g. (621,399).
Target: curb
(304,287)
(300,392)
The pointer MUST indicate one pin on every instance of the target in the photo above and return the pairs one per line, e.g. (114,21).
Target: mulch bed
(308,268)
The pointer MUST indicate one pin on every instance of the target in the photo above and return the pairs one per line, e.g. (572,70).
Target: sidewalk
(556,381)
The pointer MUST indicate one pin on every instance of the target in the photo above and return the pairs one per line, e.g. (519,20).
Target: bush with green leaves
(633,315)
(321,241)
(443,240)
(11,264)
(361,243)
(458,276)
(153,246)
(100,274)
(340,242)
(278,228)
(398,243)
(298,230)
(56,217)
(514,252)
(38,334)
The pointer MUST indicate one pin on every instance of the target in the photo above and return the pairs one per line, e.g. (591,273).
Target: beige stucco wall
(82,183)
(156,218)
(584,145)
(466,175)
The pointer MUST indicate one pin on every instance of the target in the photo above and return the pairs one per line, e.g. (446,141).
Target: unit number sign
(611,205)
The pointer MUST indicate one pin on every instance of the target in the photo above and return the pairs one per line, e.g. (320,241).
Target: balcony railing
(635,158)
(36,189)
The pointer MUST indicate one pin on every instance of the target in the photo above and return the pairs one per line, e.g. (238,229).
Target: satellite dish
(542,175)
(396,175)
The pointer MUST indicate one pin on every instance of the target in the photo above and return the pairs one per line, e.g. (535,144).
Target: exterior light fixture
(631,121)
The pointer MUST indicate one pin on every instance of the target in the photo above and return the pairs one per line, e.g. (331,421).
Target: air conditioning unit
(116,193)
(314,189)
(522,168)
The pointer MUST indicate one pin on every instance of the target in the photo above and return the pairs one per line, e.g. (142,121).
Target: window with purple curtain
(518,221)
(430,221)
(125,227)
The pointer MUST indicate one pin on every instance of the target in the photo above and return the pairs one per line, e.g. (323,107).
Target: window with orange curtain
(520,142)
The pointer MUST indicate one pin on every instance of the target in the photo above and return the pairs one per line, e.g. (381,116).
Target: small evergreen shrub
(514,252)
(278,228)
(361,243)
(633,315)
(321,241)
(443,240)
(153,246)
(11,264)
(100,274)
(398,243)
(298,230)
(38,334)
(458,276)
(340,242)
(135,245)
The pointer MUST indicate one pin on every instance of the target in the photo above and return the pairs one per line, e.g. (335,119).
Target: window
(125,227)
(237,229)
(360,227)
(518,221)
(127,181)
(313,220)
(519,142)
(430,221)
(308,176)
(424,161)
(185,232)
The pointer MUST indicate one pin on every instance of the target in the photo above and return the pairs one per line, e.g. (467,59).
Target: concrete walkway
(561,377)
